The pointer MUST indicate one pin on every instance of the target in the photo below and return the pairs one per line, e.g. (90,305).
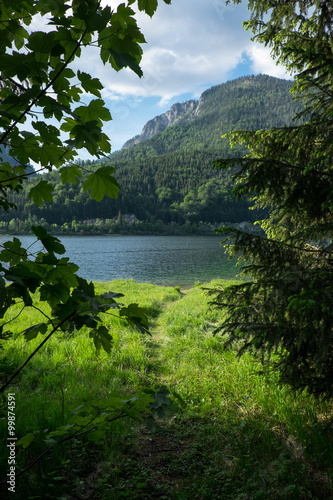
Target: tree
(38,83)
(284,312)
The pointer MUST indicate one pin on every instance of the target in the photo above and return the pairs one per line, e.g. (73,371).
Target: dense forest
(168,181)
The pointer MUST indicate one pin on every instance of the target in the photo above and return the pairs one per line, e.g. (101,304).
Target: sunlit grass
(238,434)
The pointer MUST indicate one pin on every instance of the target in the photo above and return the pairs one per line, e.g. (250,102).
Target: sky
(191,46)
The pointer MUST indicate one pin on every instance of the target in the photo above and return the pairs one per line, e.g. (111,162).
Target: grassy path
(235,434)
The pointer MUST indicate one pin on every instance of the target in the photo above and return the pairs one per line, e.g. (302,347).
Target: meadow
(231,433)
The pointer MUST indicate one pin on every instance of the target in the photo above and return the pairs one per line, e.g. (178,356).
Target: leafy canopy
(39,86)
(284,313)
(38,83)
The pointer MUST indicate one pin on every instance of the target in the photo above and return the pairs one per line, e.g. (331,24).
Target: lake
(162,260)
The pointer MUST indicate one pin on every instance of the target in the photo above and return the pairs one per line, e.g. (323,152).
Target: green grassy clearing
(235,434)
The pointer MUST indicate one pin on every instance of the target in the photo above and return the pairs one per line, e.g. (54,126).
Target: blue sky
(191,46)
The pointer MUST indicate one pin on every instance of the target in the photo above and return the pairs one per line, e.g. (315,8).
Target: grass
(235,434)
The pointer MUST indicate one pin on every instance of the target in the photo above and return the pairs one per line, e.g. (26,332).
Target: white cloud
(191,45)
(262,62)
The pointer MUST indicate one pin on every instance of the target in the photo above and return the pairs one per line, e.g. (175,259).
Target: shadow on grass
(233,452)
(205,459)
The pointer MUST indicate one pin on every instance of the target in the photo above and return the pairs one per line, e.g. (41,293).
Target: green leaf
(13,252)
(32,332)
(102,183)
(85,299)
(51,243)
(123,60)
(60,81)
(20,36)
(41,42)
(94,111)
(66,38)
(10,276)
(53,294)
(112,295)
(104,144)
(86,135)
(21,65)
(89,84)
(61,431)
(70,174)
(68,125)
(136,315)
(148,6)
(63,272)
(50,443)
(101,338)
(97,436)
(3,297)
(161,406)
(41,192)
(26,440)
(55,7)
(48,133)
(99,20)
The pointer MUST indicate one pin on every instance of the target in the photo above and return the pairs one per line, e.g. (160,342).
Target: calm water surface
(163,260)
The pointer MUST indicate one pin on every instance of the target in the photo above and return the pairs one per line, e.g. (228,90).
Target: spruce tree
(284,311)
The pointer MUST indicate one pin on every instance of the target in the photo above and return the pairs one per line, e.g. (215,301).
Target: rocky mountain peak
(179,111)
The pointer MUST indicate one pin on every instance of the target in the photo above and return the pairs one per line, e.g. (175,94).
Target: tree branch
(4,387)
(27,110)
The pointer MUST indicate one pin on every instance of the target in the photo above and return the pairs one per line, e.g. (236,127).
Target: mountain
(166,173)
(252,103)
(184,110)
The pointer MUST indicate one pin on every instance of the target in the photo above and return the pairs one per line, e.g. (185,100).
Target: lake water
(162,260)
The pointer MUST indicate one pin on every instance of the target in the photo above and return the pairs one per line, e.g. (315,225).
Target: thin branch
(308,249)
(23,175)
(4,387)
(72,436)
(13,319)
(44,314)
(15,19)
(26,111)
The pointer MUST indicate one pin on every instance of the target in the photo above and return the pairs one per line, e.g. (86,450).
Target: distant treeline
(100,226)
(176,190)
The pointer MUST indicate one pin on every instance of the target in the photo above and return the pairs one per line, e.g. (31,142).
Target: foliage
(284,313)
(39,84)
(72,397)
(39,87)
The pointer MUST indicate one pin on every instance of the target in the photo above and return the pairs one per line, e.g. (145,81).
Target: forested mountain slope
(251,103)
(168,178)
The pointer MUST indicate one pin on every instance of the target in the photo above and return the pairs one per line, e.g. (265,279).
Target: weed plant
(234,435)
